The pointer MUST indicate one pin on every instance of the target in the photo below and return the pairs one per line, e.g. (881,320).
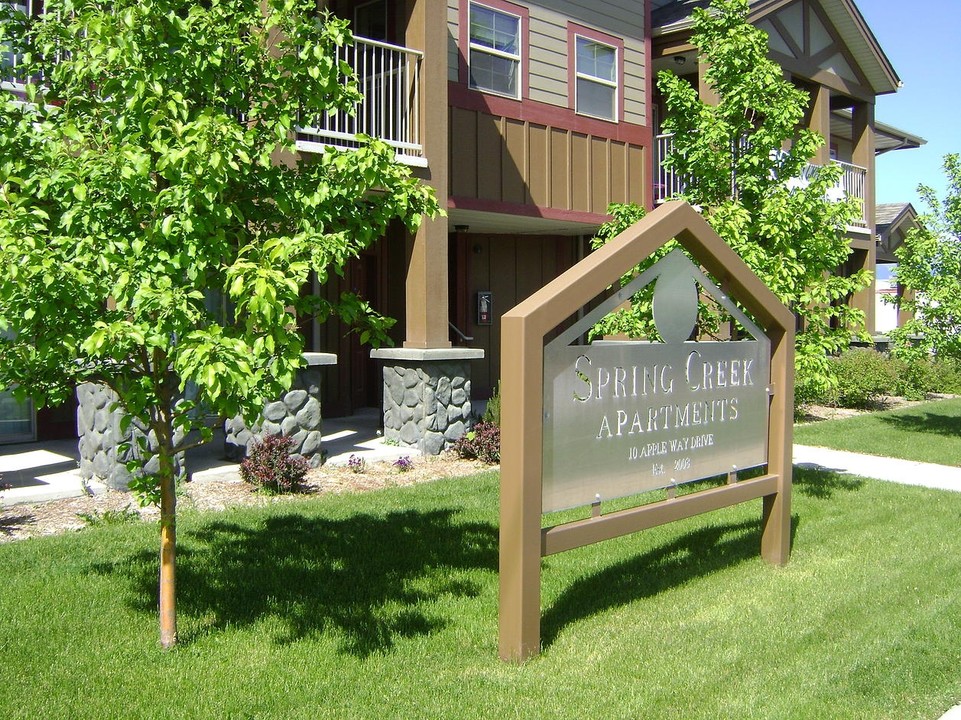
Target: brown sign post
(584,423)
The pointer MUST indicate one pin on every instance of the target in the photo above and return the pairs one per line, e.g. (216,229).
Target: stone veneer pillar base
(98,425)
(295,415)
(427,402)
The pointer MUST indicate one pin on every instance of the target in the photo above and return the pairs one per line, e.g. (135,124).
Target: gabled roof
(674,16)
(892,223)
(886,214)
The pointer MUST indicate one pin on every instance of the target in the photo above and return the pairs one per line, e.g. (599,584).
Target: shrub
(914,376)
(863,376)
(272,468)
(110,517)
(492,414)
(403,463)
(946,373)
(811,392)
(483,443)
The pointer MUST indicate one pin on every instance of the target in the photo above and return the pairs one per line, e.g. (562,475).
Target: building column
(704,91)
(427,268)
(862,136)
(904,295)
(295,415)
(427,403)
(821,122)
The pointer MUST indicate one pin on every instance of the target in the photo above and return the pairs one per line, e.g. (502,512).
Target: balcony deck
(668,184)
(389,82)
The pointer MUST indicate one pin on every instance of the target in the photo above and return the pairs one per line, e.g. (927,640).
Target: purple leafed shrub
(403,463)
(482,443)
(356,464)
(270,466)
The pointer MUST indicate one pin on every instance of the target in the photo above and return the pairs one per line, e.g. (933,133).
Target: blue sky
(922,39)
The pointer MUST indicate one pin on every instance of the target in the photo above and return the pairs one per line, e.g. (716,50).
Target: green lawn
(930,432)
(384,605)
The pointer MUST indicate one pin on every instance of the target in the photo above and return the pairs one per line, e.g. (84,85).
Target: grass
(384,605)
(930,432)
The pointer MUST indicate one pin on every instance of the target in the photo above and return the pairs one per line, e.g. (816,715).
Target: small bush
(914,376)
(110,517)
(403,463)
(271,467)
(946,376)
(356,464)
(482,443)
(863,376)
(492,414)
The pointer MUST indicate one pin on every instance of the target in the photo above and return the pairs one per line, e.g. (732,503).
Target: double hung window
(596,78)
(495,51)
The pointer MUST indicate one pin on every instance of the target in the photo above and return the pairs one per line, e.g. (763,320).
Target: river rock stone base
(98,424)
(296,415)
(426,403)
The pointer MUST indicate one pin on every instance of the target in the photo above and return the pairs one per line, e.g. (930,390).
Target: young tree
(744,161)
(152,165)
(929,267)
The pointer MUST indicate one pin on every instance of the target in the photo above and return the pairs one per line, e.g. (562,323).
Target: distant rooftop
(887,213)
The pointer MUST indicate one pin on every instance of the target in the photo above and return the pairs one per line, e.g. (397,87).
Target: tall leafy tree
(151,167)
(744,163)
(929,268)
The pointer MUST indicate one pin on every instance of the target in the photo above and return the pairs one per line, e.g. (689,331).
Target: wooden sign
(583,423)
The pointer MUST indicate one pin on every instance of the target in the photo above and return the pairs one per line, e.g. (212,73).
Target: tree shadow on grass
(934,423)
(822,483)
(695,555)
(369,579)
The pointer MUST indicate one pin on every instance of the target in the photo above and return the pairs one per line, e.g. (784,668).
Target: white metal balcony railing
(389,82)
(668,184)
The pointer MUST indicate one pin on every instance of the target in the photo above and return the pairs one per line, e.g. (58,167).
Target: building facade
(528,119)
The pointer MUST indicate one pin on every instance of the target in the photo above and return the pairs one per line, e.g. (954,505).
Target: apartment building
(529,119)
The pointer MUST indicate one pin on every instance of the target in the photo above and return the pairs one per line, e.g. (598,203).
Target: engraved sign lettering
(629,416)
(625,417)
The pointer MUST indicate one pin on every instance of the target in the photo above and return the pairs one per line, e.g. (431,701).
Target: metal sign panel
(625,417)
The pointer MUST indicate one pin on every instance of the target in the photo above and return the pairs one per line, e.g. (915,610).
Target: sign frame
(527,327)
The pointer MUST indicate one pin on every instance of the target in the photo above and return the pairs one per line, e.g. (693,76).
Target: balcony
(668,184)
(388,78)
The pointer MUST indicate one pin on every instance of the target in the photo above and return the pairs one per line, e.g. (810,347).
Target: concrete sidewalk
(906,472)
(39,472)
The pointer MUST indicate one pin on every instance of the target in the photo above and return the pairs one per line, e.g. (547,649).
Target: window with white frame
(596,76)
(495,51)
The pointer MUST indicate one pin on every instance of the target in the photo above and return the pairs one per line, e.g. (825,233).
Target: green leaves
(147,239)
(929,269)
(732,156)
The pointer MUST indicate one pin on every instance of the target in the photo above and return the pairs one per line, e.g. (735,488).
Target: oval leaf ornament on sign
(675,301)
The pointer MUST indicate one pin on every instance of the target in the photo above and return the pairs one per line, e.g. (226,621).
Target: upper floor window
(495,51)
(596,78)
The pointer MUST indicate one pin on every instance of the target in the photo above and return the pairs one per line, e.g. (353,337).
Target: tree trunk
(168,548)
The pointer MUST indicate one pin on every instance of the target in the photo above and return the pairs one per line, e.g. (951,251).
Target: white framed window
(595,78)
(495,51)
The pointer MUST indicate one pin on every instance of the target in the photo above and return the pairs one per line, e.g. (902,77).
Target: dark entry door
(364,386)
